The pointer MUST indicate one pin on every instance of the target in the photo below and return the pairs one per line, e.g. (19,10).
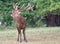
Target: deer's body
(20,22)
(19,19)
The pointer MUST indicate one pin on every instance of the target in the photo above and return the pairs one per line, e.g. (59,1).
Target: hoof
(17,40)
(25,40)
(20,41)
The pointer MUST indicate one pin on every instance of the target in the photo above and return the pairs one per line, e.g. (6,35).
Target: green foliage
(47,6)
(42,8)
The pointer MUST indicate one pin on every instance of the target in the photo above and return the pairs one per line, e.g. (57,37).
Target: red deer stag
(20,22)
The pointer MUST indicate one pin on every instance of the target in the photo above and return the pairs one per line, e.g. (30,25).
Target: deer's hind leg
(24,35)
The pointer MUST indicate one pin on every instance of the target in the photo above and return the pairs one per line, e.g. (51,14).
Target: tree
(43,7)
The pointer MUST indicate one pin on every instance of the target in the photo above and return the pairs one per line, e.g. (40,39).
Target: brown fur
(20,23)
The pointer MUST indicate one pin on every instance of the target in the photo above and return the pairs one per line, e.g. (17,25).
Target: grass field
(43,35)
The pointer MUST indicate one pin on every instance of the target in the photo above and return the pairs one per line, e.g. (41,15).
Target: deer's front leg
(18,37)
